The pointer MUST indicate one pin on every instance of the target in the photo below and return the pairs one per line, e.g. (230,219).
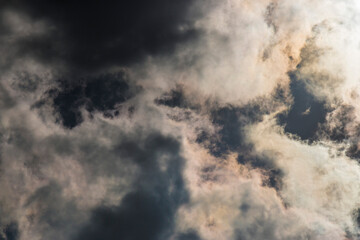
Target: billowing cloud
(179,120)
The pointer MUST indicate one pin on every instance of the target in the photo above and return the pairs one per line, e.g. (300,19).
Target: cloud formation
(179,120)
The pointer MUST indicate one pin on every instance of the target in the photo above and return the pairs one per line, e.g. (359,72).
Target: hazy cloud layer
(179,120)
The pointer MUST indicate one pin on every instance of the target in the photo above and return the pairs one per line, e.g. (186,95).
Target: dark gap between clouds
(306,113)
(105,93)
(10,232)
(230,137)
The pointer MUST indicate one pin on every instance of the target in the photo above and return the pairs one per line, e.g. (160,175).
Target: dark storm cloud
(92,35)
(148,211)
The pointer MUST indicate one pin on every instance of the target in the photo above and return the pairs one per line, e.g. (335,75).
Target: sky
(180,120)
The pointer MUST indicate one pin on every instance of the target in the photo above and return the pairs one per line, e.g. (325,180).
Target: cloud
(101,35)
(317,177)
(148,210)
(177,120)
